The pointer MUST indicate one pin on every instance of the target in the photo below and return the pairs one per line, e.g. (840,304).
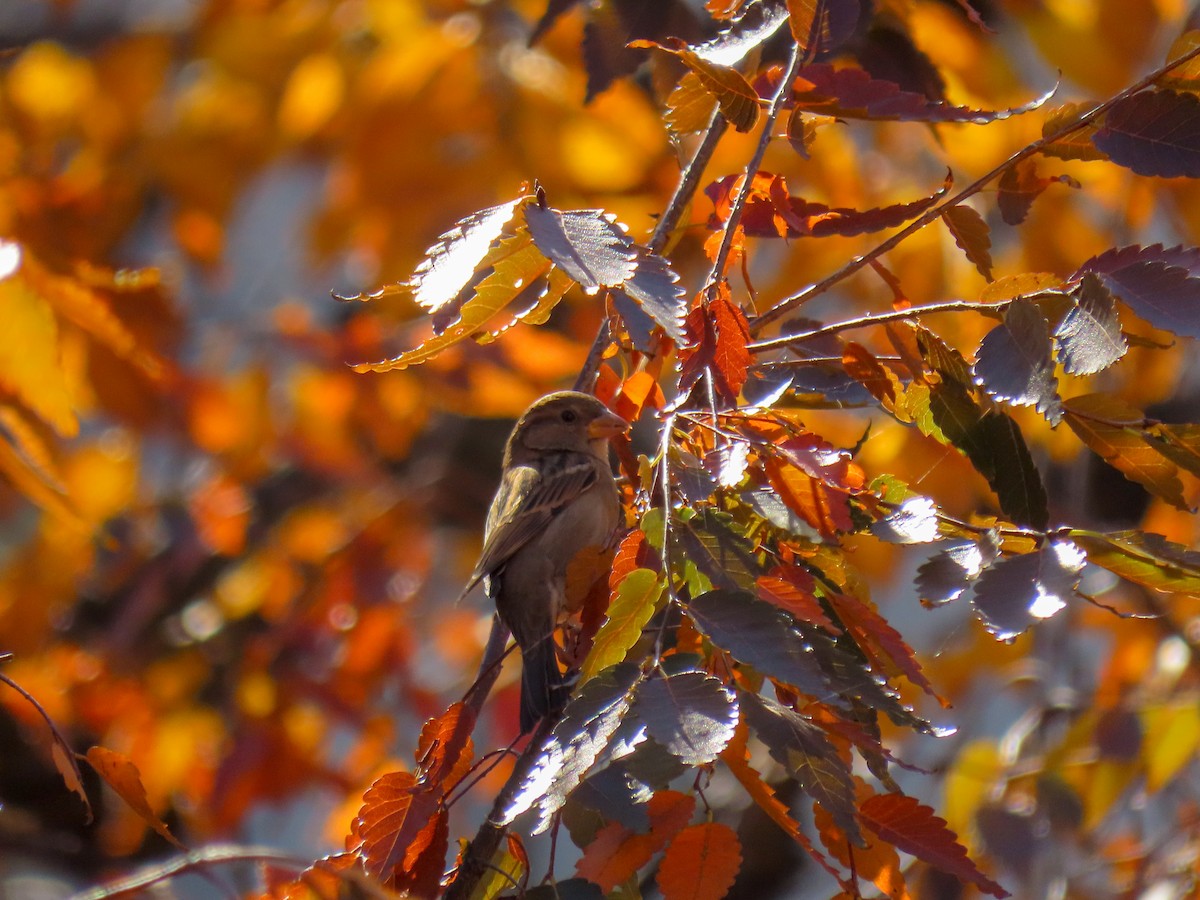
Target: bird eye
(568,415)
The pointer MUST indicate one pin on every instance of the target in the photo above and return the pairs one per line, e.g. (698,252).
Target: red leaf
(771,212)
(396,815)
(120,774)
(444,750)
(717,336)
(616,853)
(853,93)
(914,829)
(701,863)
(972,236)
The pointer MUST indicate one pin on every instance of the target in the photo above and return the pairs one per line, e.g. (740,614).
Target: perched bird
(556,497)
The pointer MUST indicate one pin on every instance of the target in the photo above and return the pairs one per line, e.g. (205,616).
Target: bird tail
(543,688)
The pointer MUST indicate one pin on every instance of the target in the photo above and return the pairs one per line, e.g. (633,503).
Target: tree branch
(789,303)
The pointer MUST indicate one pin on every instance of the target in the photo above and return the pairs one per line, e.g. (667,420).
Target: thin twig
(689,181)
(880,318)
(789,303)
(782,94)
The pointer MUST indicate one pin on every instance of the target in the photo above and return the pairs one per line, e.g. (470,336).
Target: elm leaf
(1015,364)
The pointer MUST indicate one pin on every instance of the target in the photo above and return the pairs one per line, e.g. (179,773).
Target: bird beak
(605,426)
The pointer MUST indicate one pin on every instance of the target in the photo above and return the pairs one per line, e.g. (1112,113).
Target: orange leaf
(616,853)
(120,774)
(639,390)
(800,604)
(871,630)
(972,235)
(701,863)
(445,749)
(878,861)
(826,510)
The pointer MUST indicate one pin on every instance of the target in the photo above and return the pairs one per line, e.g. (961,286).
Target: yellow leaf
(1172,740)
(30,361)
(312,95)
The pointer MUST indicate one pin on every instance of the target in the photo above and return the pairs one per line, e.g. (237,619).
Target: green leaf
(637,598)
(1142,557)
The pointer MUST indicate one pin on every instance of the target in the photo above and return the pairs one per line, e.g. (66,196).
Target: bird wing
(526,503)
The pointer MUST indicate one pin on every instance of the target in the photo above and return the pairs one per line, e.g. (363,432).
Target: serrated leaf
(689,106)
(914,522)
(717,335)
(972,235)
(1014,593)
(512,291)
(798,602)
(1162,285)
(1089,335)
(752,27)
(1143,557)
(594,251)
(1114,431)
(736,97)
(1153,133)
(807,754)
(1078,143)
(719,551)
(691,714)
(770,211)
(883,645)
(656,289)
(755,633)
(588,724)
(994,445)
(120,773)
(851,93)
(913,828)
(1015,365)
(949,572)
(632,607)
(820,26)
(701,863)
(450,263)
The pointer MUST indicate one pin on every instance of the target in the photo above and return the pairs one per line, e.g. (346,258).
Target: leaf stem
(789,303)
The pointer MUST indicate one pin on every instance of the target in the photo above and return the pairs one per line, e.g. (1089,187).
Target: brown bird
(556,497)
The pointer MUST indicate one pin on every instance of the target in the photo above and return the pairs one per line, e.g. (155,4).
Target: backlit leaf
(913,828)
(581,735)
(771,212)
(1019,186)
(512,291)
(1113,430)
(689,106)
(584,243)
(754,25)
(1143,557)
(755,633)
(736,97)
(1089,335)
(717,334)
(701,863)
(120,774)
(796,601)
(997,449)
(949,572)
(1014,362)
(691,714)
(1076,144)
(1153,133)
(883,644)
(972,235)
(1014,593)
(853,94)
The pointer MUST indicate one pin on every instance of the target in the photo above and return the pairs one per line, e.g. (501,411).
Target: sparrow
(556,497)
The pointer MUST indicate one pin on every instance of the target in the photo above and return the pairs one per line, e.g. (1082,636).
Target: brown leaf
(120,774)
(972,236)
(737,99)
